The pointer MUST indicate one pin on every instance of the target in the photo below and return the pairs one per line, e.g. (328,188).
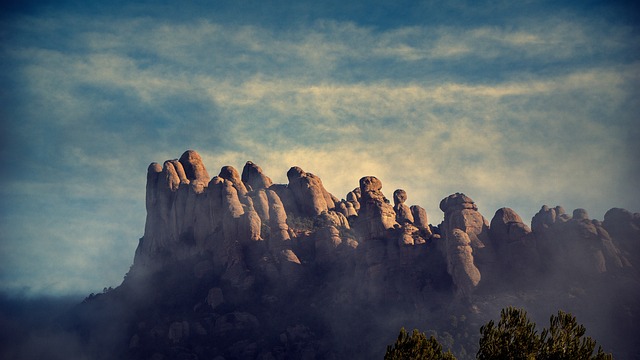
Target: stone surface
(460,264)
(231,174)
(193,167)
(376,215)
(461,214)
(403,212)
(420,218)
(507,227)
(252,176)
(310,195)
(515,245)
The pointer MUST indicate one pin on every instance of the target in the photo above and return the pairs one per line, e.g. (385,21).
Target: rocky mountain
(236,267)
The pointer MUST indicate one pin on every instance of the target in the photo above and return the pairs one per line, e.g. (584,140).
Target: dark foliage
(416,346)
(515,337)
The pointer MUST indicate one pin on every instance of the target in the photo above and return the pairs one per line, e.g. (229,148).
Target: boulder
(507,227)
(193,167)
(353,197)
(253,177)
(420,219)
(460,212)
(231,174)
(310,195)
(403,212)
(514,244)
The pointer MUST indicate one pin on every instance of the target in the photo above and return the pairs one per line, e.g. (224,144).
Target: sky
(516,104)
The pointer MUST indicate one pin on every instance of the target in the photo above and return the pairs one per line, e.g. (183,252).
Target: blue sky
(515,105)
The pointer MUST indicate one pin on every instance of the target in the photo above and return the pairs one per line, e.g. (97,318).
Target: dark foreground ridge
(236,267)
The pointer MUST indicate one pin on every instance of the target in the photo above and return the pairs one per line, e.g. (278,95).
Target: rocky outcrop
(176,211)
(376,215)
(420,219)
(514,244)
(231,174)
(403,212)
(189,214)
(239,267)
(353,197)
(575,245)
(240,226)
(461,213)
(280,242)
(547,217)
(194,169)
(253,177)
(310,195)
(624,229)
(460,264)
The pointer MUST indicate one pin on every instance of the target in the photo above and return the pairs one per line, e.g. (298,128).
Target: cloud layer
(515,111)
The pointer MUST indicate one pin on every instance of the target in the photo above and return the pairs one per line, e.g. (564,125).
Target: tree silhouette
(515,337)
(416,346)
(565,340)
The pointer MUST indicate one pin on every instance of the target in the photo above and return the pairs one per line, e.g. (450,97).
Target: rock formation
(460,263)
(465,232)
(311,196)
(253,269)
(403,212)
(242,220)
(376,215)
(514,243)
(253,177)
(575,244)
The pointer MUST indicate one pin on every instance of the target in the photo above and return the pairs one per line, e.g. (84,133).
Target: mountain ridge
(235,266)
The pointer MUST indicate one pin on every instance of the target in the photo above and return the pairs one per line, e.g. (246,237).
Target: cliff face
(267,270)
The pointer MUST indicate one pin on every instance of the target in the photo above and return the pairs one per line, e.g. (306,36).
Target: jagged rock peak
(547,217)
(253,177)
(399,196)
(231,174)
(193,167)
(461,215)
(403,212)
(460,263)
(309,193)
(173,175)
(376,212)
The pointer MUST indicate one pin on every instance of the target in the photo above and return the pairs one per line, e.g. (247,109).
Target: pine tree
(565,340)
(514,337)
(417,346)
